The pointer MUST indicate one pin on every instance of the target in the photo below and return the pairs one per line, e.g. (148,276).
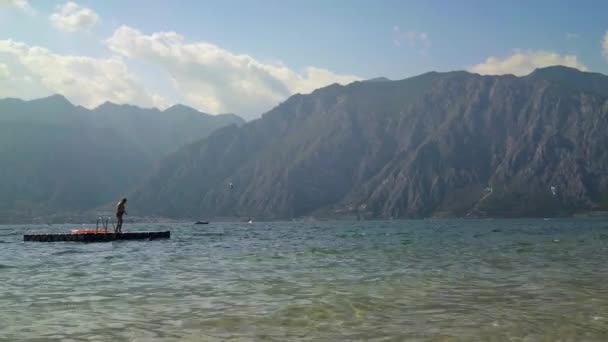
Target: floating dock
(97,237)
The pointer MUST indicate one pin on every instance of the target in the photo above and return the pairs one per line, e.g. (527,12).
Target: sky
(246,56)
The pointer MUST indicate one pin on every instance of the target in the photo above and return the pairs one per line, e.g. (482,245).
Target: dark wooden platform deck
(97,237)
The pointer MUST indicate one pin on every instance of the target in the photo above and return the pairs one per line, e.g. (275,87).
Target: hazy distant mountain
(378,79)
(160,132)
(57,157)
(437,144)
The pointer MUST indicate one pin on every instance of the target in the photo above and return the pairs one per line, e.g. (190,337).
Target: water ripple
(433,280)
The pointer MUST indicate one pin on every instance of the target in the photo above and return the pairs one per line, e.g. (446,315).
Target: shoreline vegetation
(84,218)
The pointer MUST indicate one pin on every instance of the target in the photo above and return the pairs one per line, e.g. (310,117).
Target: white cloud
(23,5)
(34,71)
(73,17)
(414,39)
(4,72)
(605,45)
(216,80)
(522,63)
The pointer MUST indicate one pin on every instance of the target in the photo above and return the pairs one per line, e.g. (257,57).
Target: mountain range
(61,159)
(434,145)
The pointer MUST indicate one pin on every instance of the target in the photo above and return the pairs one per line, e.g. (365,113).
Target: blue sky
(246,56)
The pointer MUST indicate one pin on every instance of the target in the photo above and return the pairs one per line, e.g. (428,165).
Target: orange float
(88,231)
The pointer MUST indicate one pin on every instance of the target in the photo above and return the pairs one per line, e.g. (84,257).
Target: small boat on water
(96,237)
(97,234)
(201,222)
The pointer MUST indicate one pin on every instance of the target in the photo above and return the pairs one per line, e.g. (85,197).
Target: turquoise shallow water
(432,280)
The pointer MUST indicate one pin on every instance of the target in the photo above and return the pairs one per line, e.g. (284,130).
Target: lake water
(431,280)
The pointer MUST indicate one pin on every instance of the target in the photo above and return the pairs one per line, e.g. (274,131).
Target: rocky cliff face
(455,144)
